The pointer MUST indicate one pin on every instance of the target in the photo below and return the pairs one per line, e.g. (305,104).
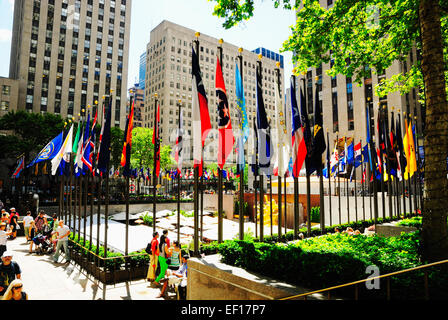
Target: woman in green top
(175,256)
(163,256)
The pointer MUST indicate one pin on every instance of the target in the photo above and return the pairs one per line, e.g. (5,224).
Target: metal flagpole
(347,193)
(356,190)
(339,181)
(220,190)
(286,201)
(362,187)
(154,175)
(329,181)
(243,167)
(418,175)
(70,206)
(196,184)
(270,195)
(179,105)
(415,173)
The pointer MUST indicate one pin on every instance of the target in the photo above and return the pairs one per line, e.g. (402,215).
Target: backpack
(148,248)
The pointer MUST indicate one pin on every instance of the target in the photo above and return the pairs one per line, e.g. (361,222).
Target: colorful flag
(409,148)
(127,145)
(179,143)
(305,122)
(351,154)
(50,151)
(225,131)
(105,139)
(19,168)
(264,139)
(156,142)
(243,119)
(319,144)
(201,116)
(64,152)
(299,148)
(358,155)
(80,168)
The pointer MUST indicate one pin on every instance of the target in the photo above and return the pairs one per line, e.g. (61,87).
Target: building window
(6,90)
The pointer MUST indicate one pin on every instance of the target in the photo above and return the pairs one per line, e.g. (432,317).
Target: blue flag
(351,154)
(50,151)
(244,123)
(264,138)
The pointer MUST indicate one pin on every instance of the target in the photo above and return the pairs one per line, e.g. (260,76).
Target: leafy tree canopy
(356,36)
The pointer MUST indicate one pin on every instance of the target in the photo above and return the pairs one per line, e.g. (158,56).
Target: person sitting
(177,279)
(350,231)
(175,258)
(357,232)
(14,291)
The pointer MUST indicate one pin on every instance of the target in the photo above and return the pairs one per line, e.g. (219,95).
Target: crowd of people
(167,265)
(11,284)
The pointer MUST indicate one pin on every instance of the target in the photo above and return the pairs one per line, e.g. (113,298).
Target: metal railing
(94,264)
(388,276)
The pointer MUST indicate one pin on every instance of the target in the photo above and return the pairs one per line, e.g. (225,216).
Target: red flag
(126,154)
(201,116)
(156,142)
(226,138)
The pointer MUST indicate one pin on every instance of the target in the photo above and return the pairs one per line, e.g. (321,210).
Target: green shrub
(315,214)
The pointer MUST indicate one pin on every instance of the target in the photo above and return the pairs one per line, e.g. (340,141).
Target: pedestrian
(41,221)
(32,235)
(176,253)
(9,271)
(54,223)
(14,223)
(177,278)
(167,240)
(164,254)
(153,257)
(3,238)
(26,225)
(15,291)
(5,216)
(63,233)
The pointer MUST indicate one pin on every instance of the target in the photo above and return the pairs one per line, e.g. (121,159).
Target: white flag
(65,149)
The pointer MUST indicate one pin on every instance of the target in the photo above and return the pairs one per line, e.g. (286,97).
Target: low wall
(390,230)
(208,279)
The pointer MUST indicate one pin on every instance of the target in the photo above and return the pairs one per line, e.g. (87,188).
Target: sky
(268,28)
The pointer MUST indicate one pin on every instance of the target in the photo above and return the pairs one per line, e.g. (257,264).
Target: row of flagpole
(306,148)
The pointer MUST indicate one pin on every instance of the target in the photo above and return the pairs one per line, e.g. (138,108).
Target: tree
(375,33)
(116,146)
(142,154)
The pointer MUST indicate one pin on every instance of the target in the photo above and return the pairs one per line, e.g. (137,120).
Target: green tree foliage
(31,132)
(116,145)
(142,154)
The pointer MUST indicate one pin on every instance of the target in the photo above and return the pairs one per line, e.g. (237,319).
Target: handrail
(365,280)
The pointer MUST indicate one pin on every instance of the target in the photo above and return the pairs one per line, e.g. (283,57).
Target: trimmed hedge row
(336,259)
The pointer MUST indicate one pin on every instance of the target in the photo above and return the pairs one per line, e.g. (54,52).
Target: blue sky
(268,28)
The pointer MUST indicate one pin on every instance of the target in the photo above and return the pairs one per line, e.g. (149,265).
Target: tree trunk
(435,231)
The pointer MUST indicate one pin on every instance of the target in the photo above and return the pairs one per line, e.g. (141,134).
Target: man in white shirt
(26,225)
(3,238)
(62,232)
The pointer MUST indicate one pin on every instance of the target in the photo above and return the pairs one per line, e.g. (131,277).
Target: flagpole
(320,173)
(418,176)
(415,173)
(339,180)
(409,176)
(242,165)
(179,105)
(347,193)
(403,168)
(70,204)
(296,186)
(356,182)
(154,176)
(375,195)
(196,181)
(260,72)
(220,190)
(362,185)
(388,165)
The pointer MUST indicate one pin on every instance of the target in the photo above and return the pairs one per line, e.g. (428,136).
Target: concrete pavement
(45,280)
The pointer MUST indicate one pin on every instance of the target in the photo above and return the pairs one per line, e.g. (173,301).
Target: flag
(19,168)
(127,145)
(364,176)
(50,151)
(334,160)
(409,148)
(401,153)
(156,142)
(306,133)
(319,144)
(88,149)
(77,137)
(243,119)
(351,154)
(82,148)
(179,143)
(365,154)
(358,155)
(225,132)
(264,139)
(254,165)
(64,152)
(105,138)
(282,135)
(299,148)
(201,116)
(392,149)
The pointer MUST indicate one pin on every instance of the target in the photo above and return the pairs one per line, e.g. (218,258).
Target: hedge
(336,259)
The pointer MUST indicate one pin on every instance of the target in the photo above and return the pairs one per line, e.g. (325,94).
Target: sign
(132,188)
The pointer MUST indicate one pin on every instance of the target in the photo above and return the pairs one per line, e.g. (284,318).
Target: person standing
(27,224)
(9,271)
(154,257)
(14,223)
(3,238)
(32,235)
(63,233)
(41,221)
(163,256)
(15,291)
(175,258)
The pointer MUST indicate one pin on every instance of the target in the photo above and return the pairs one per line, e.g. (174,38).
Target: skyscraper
(168,73)
(67,54)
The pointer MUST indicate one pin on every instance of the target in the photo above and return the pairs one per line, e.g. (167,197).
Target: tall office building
(139,105)
(344,102)
(67,54)
(168,73)
(142,71)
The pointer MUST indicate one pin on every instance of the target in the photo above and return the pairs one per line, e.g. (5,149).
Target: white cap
(7,254)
